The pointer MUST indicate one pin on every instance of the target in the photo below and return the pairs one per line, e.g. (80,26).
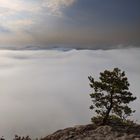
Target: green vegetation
(111,97)
(18,138)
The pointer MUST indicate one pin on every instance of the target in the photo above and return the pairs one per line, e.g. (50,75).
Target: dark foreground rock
(92,132)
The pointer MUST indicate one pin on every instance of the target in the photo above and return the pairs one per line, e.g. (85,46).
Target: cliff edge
(92,132)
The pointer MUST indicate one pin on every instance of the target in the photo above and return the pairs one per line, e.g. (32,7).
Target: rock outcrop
(92,132)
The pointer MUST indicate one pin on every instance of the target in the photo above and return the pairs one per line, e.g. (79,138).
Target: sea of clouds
(45,90)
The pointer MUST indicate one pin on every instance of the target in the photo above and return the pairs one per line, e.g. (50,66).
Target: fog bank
(45,90)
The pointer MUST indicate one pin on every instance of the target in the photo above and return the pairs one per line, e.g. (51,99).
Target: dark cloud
(93,24)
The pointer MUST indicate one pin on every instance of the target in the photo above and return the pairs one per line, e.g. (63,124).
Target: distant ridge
(67,47)
(58,48)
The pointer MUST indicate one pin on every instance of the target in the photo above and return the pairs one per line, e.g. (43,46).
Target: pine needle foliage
(111,95)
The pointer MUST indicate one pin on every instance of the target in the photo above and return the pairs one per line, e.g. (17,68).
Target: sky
(77,23)
(47,90)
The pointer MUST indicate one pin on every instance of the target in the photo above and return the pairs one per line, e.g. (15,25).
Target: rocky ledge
(92,132)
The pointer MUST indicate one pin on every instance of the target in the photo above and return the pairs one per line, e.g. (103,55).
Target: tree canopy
(111,95)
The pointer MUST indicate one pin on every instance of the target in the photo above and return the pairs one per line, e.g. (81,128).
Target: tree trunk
(107,115)
(108,111)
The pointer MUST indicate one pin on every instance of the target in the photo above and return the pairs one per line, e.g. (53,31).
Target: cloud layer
(22,13)
(71,22)
(42,91)
(54,6)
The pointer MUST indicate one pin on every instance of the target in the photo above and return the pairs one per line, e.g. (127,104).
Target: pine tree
(111,95)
